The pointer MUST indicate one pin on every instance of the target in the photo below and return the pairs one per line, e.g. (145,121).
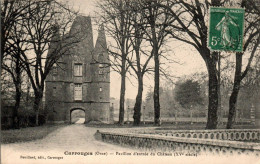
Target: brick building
(81,78)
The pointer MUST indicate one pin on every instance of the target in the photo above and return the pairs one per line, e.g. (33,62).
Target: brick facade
(92,78)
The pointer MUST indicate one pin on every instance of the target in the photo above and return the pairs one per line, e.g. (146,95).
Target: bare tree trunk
(36,106)
(235,91)
(122,98)
(156,89)
(156,95)
(219,90)
(232,106)
(3,40)
(17,104)
(213,95)
(2,48)
(18,90)
(138,101)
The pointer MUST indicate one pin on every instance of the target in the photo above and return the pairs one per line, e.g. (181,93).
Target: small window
(100,58)
(54,91)
(78,69)
(54,69)
(100,89)
(101,69)
(78,92)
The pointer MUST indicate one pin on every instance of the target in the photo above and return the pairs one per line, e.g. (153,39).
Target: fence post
(191,115)
(176,112)
(252,114)
(143,114)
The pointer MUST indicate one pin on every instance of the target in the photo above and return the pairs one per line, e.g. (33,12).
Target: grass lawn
(27,134)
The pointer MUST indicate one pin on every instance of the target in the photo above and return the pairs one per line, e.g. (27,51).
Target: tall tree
(13,65)
(116,17)
(12,12)
(157,23)
(139,59)
(251,46)
(45,23)
(190,27)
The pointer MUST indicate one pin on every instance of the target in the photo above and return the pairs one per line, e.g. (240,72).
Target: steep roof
(82,29)
(81,33)
(101,45)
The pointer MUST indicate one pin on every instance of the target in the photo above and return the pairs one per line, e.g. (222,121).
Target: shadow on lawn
(27,134)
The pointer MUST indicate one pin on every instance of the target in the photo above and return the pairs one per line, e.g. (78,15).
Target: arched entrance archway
(78,116)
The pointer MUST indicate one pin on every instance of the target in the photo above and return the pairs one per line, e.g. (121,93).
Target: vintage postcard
(129,82)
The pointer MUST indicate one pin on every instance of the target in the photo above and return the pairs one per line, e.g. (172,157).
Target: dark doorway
(77,116)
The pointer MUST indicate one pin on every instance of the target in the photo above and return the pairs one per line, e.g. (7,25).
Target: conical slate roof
(101,46)
(101,39)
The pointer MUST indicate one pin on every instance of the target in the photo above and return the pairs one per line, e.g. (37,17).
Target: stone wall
(155,142)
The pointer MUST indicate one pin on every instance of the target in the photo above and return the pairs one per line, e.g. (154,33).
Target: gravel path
(80,121)
(72,138)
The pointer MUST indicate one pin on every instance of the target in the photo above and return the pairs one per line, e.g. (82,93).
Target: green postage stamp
(226,28)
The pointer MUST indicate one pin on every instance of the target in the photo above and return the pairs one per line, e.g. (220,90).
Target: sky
(189,58)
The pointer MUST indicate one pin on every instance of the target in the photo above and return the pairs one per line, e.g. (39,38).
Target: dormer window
(77,69)
(101,72)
